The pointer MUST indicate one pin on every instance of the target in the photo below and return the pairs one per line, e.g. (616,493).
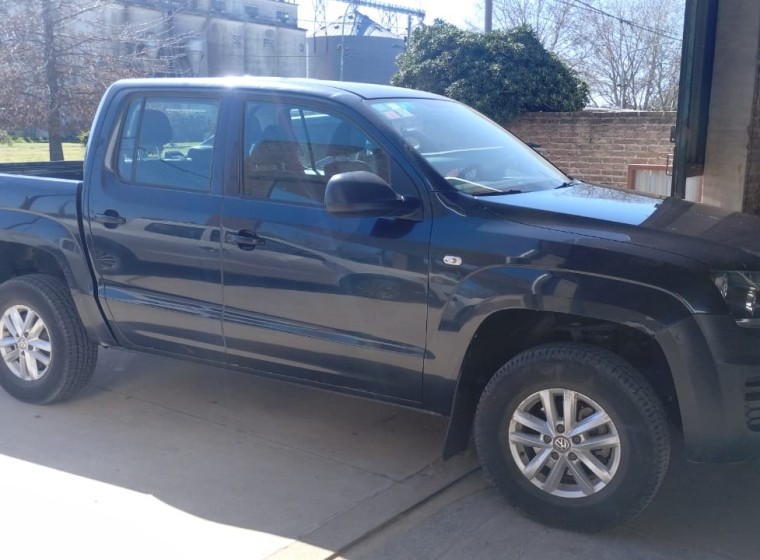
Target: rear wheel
(573,435)
(44,350)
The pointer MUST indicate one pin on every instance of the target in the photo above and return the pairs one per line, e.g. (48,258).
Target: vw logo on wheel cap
(562,444)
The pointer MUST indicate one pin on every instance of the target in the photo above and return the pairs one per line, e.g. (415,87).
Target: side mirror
(361,194)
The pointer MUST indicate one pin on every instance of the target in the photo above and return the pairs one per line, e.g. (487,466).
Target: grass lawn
(22,152)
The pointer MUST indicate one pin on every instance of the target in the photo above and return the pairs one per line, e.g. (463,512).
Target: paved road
(162,457)
(702,513)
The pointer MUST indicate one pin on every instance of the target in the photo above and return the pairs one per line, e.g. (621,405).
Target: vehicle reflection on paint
(355,270)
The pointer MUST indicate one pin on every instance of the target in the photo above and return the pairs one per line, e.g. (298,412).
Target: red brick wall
(598,146)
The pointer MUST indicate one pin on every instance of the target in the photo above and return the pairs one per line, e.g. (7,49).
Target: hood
(718,238)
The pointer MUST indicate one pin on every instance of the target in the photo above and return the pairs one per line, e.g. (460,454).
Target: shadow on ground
(324,469)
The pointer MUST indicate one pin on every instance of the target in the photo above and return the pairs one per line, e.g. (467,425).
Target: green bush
(83,137)
(5,138)
(501,74)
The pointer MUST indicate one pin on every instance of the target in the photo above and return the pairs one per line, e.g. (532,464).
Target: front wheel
(46,355)
(573,435)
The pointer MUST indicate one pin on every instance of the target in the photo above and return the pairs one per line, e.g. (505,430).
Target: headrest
(156,129)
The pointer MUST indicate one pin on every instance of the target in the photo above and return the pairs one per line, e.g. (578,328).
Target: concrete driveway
(160,458)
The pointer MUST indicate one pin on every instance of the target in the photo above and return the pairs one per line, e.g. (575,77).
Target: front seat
(345,145)
(272,160)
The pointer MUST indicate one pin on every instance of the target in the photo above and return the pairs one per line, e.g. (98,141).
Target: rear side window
(168,142)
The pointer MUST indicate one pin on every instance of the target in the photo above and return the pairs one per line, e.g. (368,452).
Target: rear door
(154,215)
(339,301)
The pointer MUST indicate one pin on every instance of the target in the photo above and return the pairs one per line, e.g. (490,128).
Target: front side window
(168,142)
(290,152)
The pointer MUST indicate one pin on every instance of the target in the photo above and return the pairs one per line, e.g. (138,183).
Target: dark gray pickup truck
(396,245)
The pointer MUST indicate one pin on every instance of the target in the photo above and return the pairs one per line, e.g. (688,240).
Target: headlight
(740,290)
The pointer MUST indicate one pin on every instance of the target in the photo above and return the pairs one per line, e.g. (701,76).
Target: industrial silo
(261,50)
(354,49)
(291,52)
(226,47)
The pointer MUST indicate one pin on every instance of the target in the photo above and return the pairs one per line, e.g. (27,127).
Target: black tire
(71,355)
(592,381)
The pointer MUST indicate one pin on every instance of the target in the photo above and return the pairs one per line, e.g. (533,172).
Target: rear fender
(37,243)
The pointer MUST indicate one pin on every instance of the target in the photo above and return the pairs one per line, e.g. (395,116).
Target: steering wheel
(470,173)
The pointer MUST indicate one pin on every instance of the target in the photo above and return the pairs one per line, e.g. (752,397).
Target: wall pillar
(752,183)
(732,157)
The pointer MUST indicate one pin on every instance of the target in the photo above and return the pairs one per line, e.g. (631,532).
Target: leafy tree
(56,59)
(501,74)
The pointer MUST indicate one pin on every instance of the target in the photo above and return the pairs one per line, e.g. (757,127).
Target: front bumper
(716,370)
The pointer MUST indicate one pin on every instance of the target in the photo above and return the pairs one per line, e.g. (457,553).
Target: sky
(459,12)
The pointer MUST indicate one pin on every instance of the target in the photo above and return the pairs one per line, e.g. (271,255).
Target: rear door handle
(246,240)
(110,218)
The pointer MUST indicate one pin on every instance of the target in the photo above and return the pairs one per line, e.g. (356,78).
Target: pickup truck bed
(72,170)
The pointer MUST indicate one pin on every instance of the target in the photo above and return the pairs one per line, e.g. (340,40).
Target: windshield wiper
(498,193)
(571,183)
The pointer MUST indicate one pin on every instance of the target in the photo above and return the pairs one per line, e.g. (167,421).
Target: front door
(339,301)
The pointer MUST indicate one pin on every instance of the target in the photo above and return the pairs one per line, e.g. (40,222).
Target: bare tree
(636,53)
(628,51)
(58,56)
(554,23)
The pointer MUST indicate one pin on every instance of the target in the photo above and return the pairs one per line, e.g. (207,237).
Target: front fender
(454,323)
(514,289)
(645,307)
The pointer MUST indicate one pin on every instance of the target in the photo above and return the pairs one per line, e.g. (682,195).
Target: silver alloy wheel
(564,443)
(25,343)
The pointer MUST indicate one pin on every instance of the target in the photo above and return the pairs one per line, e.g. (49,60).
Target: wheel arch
(502,327)
(21,259)
(57,253)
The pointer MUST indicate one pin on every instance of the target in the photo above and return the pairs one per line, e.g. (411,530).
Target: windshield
(471,152)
